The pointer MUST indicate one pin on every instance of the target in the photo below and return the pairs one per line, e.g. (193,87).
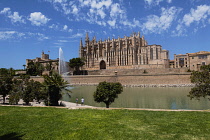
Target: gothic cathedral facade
(122,53)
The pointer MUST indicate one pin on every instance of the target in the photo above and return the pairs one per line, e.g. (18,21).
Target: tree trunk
(3,99)
(27,102)
(54,96)
(107,105)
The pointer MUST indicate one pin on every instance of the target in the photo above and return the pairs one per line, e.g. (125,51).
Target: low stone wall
(158,80)
(143,80)
(139,71)
(37,78)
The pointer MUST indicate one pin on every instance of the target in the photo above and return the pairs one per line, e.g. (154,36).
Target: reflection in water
(136,97)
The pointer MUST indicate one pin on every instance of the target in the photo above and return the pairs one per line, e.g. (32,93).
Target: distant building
(122,53)
(171,64)
(192,61)
(181,61)
(196,60)
(46,62)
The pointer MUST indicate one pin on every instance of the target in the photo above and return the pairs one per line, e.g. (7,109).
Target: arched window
(102,65)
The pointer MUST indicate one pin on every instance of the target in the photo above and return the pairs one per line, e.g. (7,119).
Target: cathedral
(122,53)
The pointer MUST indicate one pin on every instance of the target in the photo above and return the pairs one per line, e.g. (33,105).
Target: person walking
(82,101)
(77,101)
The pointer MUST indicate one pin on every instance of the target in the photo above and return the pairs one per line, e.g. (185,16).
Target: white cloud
(4,35)
(97,10)
(158,24)
(156,2)
(180,31)
(112,23)
(64,6)
(135,23)
(15,35)
(102,23)
(39,36)
(16,18)
(58,27)
(116,10)
(53,26)
(70,30)
(101,12)
(63,41)
(196,15)
(75,9)
(149,2)
(65,27)
(42,36)
(38,19)
(169,1)
(76,35)
(200,14)
(5,11)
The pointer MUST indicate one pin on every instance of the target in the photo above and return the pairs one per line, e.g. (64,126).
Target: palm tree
(24,67)
(54,84)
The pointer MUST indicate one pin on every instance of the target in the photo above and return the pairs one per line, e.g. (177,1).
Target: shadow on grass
(11,136)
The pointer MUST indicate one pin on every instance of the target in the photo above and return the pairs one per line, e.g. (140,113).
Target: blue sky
(28,27)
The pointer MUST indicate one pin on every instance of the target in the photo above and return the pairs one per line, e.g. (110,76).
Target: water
(62,64)
(136,97)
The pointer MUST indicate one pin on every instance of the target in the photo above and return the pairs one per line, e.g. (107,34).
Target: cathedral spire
(87,38)
(81,43)
(81,49)
(138,34)
(94,39)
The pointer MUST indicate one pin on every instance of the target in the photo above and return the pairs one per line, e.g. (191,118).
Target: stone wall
(37,78)
(132,80)
(139,71)
(129,80)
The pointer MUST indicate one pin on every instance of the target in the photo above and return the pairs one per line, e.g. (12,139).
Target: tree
(3,71)
(24,66)
(38,91)
(16,92)
(28,91)
(34,68)
(201,79)
(5,82)
(107,92)
(11,71)
(76,63)
(54,84)
(31,70)
(49,67)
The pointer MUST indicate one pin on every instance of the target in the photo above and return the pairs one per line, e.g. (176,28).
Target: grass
(47,123)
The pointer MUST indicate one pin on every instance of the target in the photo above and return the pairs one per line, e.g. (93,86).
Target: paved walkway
(71,105)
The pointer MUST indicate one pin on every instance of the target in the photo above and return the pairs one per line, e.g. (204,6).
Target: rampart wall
(142,80)
(138,71)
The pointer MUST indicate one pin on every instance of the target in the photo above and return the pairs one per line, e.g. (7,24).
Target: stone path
(71,105)
(66,104)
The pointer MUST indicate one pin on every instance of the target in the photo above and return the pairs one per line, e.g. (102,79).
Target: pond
(138,97)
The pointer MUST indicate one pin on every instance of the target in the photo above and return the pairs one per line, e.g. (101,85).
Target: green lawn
(90,124)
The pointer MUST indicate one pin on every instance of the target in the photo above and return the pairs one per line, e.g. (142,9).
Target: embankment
(141,80)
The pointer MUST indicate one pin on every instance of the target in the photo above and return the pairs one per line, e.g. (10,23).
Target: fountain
(62,68)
